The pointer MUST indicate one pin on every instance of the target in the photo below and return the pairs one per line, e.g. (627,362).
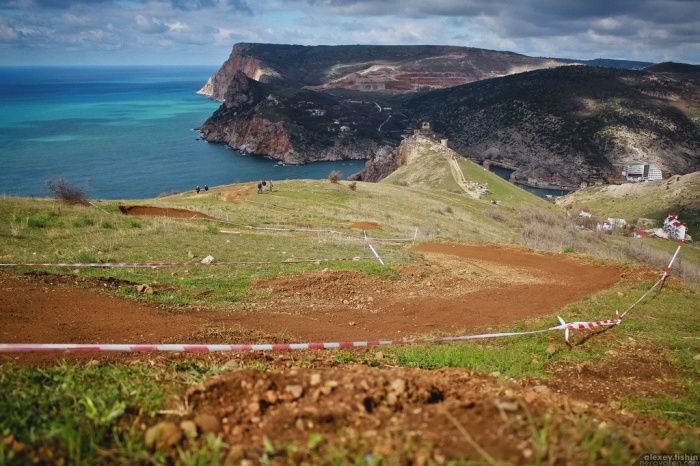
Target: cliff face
(218,83)
(386,69)
(300,104)
(293,127)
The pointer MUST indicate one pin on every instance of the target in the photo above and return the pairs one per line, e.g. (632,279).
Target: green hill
(654,200)
(311,219)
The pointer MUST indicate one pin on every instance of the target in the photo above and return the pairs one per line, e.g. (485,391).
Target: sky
(202,32)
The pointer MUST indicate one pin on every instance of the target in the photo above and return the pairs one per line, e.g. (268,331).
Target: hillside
(578,123)
(296,269)
(298,104)
(642,200)
(392,69)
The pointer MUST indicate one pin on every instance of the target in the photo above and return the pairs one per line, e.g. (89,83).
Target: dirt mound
(400,415)
(161,212)
(365,226)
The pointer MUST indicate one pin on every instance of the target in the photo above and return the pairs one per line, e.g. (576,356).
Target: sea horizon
(122,132)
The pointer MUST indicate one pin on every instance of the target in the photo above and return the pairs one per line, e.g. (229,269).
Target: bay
(126,132)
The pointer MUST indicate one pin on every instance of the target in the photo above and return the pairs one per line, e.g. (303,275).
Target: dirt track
(401,413)
(454,288)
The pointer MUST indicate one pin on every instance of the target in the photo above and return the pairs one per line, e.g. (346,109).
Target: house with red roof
(674,227)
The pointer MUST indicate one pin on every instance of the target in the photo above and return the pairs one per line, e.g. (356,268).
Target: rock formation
(571,123)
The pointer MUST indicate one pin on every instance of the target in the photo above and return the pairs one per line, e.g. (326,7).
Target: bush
(66,192)
(334,176)
(353,186)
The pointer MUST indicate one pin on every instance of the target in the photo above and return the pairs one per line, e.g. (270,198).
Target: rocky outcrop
(239,60)
(568,124)
(293,127)
(383,164)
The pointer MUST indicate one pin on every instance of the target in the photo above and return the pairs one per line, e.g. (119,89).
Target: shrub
(66,192)
(334,176)
(353,186)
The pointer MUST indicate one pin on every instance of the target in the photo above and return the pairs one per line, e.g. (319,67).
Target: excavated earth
(406,415)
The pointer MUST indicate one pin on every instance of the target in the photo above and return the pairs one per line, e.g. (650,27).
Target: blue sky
(202,32)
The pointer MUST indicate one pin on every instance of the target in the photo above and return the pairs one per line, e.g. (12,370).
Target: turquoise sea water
(128,132)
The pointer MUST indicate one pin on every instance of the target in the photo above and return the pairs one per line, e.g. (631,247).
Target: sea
(541,192)
(122,133)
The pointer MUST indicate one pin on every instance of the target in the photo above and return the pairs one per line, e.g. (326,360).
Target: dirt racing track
(427,416)
(452,288)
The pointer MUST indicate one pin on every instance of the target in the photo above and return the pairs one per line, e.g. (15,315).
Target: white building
(674,227)
(617,222)
(640,171)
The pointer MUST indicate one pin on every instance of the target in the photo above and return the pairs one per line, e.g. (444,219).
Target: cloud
(647,30)
(65,4)
(8,34)
(221,5)
(149,25)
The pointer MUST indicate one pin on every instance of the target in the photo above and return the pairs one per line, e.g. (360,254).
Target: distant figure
(197,189)
(264,183)
(206,188)
(259,187)
(270,185)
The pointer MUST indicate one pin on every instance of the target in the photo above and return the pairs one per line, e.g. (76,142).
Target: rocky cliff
(239,60)
(298,104)
(368,68)
(297,126)
(571,123)
(575,123)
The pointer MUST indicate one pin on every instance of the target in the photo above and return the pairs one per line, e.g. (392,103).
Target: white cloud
(8,34)
(149,25)
(143,29)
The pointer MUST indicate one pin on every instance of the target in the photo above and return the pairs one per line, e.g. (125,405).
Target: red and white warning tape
(180,264)
(70,347)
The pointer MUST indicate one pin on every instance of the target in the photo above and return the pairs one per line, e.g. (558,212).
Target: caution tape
(70,347)
(183,348)
(156,265)
(659,281)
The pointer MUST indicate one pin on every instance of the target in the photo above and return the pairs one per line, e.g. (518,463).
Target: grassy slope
(648,200)
(43,230)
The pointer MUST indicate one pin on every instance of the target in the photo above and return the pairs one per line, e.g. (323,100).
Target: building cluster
(641,171)
(672,228)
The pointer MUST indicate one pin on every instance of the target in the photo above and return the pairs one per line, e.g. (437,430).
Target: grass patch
(64,411)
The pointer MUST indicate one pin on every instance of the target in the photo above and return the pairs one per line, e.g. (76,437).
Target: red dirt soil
(401,413)
(453,288)
(150,211)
